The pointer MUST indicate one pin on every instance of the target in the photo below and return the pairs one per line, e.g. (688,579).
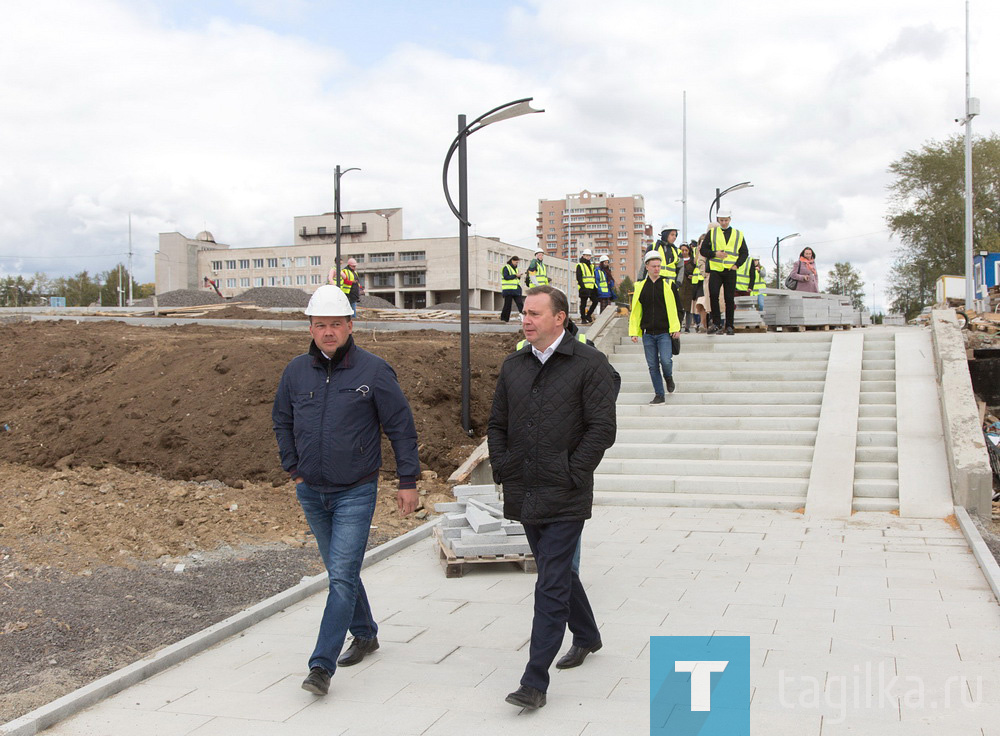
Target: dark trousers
(509,297)
(725,280)
(560,599)
(585,294)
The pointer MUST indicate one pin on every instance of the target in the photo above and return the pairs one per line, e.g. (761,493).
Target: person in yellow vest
(537,275)
(654,318)
(605,282)
(688,278)
(725,250)
(510,287)
(749,278)
(587,283)
(350,282)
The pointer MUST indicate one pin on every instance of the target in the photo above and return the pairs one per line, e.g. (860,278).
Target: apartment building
(606,224)
(410,273)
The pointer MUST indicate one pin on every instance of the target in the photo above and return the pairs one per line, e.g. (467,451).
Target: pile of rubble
(182,298)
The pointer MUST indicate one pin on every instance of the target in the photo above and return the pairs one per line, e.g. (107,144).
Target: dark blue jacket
(328,415)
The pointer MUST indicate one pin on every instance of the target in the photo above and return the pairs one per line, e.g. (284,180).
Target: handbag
(791,283)
(675,346)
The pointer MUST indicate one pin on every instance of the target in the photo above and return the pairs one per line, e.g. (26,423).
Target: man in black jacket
(725,249)
(330,409)
(553,417)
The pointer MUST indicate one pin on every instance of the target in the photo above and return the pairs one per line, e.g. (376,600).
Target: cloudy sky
(230,115)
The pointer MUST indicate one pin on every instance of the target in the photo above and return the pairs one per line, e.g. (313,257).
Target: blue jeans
(341,522)
(659,356)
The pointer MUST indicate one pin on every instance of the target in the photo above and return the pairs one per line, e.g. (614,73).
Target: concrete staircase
(739,431)
(876,470)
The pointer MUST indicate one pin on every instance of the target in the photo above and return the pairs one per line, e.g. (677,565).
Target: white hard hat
(586,252)
(602,259)
(329,301)
(652,255)
(667,228)
(724,213)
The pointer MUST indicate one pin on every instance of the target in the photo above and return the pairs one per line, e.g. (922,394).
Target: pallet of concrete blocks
(784,308)
(474,532)
(746,317)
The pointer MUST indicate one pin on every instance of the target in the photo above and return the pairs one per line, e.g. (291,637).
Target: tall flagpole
(684,183)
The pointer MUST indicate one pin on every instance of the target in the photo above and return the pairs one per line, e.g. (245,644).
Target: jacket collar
(344,354)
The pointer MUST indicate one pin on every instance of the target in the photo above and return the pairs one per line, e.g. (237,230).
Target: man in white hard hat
(330,409)
(654,318)
(537,275)
(605,279)
(587,284)
(726,250)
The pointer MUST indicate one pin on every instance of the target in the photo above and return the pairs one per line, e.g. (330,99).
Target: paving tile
(147,696)
(327,715)
(516,722)
(277,703)
(103,719)
(243,727)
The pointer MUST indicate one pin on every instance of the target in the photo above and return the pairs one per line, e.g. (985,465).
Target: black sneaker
(658,399)
(730,331)
(670,384)
(359,649)
(714,330)
(318,681)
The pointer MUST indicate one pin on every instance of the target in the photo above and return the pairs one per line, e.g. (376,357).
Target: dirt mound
(370,301)
(182,298)
(274,296)
(194,402)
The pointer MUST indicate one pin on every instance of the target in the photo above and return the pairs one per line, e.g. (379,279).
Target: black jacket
(548,430)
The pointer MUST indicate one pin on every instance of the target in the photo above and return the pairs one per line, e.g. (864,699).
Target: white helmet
(653,255)
(586,252)
(602,259)
(724,213)
(329,301)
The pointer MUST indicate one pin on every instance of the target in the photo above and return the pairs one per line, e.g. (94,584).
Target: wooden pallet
(454,566)
(808,328)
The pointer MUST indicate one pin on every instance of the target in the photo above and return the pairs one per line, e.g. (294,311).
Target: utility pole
(684,172)
(130,272)
(971,110)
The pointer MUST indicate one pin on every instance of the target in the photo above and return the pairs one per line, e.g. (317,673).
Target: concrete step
(876,488)
(876,471)
(724,424)
(655,437)
(716,387)
(687,363)
(701,500)
(878,365)
(878,397)
(744,469)
(876,439)
(758,338)
(873,386)
(875,504)
(883,375)
(682,370)
(720,410)
(731,399)
(877,410)
(877,355)
(698,454)
(685,484)
(877,424)
(876,455)
(775,353)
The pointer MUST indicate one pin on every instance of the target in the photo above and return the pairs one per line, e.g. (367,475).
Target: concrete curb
(72,703)
(987,563)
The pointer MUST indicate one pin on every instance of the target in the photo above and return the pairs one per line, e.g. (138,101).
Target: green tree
(927,214)
(622,289)
(846,280)
(771,281)
(80,290)
(17,292)
(109,281)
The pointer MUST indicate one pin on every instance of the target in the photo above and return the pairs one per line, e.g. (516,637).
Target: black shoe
(359,649)
(526,697)
(318,681)
(730,331)
(658,399)
(670,385)
(687,329)
(714,330)
(575,656)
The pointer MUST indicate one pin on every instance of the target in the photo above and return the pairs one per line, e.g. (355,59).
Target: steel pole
(336,217)
(463,273)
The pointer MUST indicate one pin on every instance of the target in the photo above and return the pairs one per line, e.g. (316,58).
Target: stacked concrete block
(474,525)
(784,308)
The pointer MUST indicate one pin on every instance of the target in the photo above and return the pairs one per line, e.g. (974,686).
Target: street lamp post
(719,195)
(503,112)
(777,257)
(336,211)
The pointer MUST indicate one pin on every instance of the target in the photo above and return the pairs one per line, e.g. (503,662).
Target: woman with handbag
(804,272)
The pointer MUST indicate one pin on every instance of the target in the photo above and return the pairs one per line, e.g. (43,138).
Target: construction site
(143,500)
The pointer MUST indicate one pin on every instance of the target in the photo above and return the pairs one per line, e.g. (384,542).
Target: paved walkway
(833,608)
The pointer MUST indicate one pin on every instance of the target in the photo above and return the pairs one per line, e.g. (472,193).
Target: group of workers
(596,283)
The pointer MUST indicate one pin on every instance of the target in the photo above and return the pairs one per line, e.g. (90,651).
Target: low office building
(410,273)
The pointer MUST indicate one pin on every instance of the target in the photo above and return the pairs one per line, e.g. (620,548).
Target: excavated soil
(127,453)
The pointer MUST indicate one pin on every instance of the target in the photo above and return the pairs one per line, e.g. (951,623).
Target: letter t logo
(701,681)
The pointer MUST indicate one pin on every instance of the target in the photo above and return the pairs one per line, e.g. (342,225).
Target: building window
(412,255)
(245,283)
(230,283)
(315,260)
(216,265)
(413,278)
(286,262)
(621,260)
(321,230)
(300,279)
(258,263)
(286,280)
(244,263)
(259,281)
(316,279)
(300,261)
(272,281)
(383,258)
(231,265)
(359,257)
(272,262)
(382,279)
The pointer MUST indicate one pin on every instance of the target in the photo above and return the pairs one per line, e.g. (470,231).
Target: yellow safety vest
(580,337)
(635,317)
(588,274)
(743,276)
(347,279)
(696,275)
(541,276)
(668,261)
(509,282)
(730,247)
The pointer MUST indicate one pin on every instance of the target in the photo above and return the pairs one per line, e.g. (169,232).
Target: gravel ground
(183,298)
(370,301)
(274,296)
